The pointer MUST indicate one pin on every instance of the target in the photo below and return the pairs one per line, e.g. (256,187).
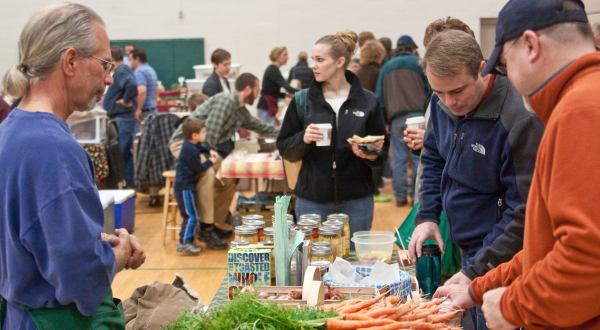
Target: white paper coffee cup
(416,122)
(325,129)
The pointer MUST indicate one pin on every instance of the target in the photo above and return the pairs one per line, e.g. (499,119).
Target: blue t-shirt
(146,76)
(51,218)
(123,87)
(190,165)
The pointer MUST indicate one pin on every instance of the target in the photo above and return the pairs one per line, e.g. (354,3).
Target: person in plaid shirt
(223,114)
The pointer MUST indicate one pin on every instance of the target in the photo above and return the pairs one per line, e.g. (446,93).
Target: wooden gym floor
(205,272)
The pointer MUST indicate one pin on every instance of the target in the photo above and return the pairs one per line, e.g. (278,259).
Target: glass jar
(235,244)
(322,265)
(310,216)
(321,253)
(312,224)
(308,233)
(321,245)
(246,233)
(268,235)
(332,235)
(345,231)
(338,224)
(255,222)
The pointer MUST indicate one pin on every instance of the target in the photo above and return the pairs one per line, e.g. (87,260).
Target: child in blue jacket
(194,160)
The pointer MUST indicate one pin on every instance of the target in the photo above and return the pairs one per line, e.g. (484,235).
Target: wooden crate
(349,293)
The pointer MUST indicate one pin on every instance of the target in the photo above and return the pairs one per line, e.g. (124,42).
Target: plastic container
(370,248)
(88,127)
(107,200)
(373,232)
(203,71)
(124,208)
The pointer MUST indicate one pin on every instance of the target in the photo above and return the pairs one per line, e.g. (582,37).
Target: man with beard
(223,114)
(56,267)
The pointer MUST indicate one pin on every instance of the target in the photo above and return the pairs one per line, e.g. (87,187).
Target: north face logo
(478,148)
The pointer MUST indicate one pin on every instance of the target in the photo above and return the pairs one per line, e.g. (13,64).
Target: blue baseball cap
(405,40)
(517,16)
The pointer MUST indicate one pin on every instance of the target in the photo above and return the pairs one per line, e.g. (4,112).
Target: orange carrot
(357,317)
(382,311)
(421,314)
(436,318)
(404,325)
(361,305)
(337,324)
(394,300)
(433,302)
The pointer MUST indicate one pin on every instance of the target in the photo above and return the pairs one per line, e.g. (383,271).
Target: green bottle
(429,269)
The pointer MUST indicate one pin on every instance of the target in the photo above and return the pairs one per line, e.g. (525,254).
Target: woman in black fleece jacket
(272,83)
(338,177)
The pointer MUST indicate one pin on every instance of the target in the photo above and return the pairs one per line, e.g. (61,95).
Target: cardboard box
(248,267)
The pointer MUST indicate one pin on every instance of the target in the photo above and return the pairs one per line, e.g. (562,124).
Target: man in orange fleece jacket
(547,49)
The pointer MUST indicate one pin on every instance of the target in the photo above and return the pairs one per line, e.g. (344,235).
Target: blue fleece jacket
(478,169)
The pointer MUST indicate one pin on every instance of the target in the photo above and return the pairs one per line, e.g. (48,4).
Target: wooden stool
(170,209)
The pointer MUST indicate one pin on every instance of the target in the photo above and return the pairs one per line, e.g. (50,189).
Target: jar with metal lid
(308,233)
(345,232)
(235,244)
(268,235)
(322,265)
(338,224)
(310,223)
(255,222)
(332,235)
(321,253)
(321,245)
(311,216)
(246,233)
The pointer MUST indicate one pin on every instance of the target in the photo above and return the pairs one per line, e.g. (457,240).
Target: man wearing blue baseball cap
(547,49)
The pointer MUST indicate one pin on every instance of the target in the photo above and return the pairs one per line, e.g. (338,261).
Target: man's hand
(214,157)
(458,278)
(491,310)
(458,293)
(111,239)
(138,115)
(312,133)
(413,137)
(138,255)
(122,249)
(423,232)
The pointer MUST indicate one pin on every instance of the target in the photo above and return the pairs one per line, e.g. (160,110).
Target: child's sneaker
(188,249)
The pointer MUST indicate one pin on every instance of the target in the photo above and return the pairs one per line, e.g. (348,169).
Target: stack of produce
(389,313)
(246,311)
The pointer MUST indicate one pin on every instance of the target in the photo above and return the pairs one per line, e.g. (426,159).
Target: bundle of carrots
(389,313)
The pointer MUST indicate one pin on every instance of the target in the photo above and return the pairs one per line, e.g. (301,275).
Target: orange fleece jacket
(554,282)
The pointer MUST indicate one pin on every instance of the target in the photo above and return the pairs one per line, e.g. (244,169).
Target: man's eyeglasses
(106,65)
(500,68)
